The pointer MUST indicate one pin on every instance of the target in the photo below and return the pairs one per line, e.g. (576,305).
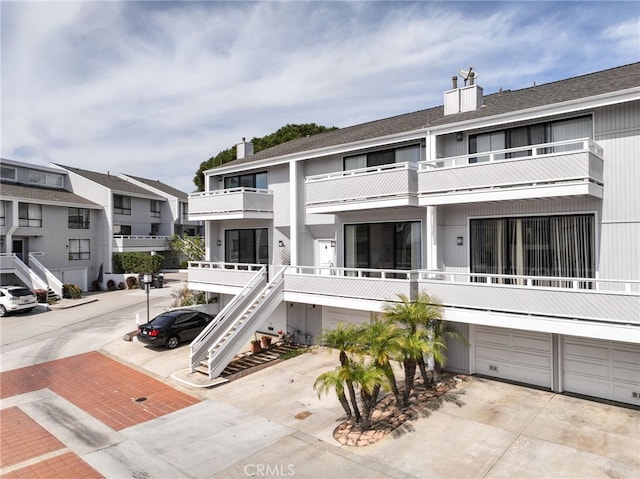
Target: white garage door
(604,369)
(333,316)
(513,355)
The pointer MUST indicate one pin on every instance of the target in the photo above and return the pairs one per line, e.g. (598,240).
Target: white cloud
(153,89)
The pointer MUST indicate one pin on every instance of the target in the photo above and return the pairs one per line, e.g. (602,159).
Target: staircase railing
(52,282)
(240,331)
(213,332)
(22,271)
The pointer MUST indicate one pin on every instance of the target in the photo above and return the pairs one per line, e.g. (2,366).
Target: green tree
(286,133)
(333,380)
(189,247)
(367,377)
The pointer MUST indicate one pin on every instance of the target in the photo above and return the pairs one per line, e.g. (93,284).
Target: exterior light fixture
(219,242)
(281,244)
(459,136)
(459,241)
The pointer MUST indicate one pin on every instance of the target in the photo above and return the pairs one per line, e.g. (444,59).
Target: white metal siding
(457,353)
(514,355)
(604,369)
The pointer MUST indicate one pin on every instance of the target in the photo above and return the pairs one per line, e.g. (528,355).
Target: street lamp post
(147,278)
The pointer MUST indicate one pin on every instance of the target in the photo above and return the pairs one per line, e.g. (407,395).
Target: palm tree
(344,338)
(333,380)
(380,341)
(439,330)
(368,377)
(412,346)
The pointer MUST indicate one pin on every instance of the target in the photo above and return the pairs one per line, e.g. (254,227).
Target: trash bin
(158,280)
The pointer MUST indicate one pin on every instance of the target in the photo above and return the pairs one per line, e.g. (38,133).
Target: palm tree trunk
(354,401)
(345,404)
(409,375)
(388,371)
(367,410)
(423,372)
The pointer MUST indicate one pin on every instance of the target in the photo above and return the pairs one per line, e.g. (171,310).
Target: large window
(537,134)
(8,173)
(248,180)
(122,204)
(79,218)
(155,208)
(79,249)
(383,245)
(247,246)
(534,246)
(3,213)
(409,154)
(30,214)
(122,230)
(45,179)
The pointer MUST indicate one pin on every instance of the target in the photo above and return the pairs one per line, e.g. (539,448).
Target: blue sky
(154,88)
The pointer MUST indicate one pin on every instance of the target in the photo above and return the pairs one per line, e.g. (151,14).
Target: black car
(173,327)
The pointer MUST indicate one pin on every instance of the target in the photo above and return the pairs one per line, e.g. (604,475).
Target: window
(249,180)
(247,246)
(121,230)
(79,218)
(8,173)
(385,157)
(383,245)
(538,134)
(30,214)
(3,213)
(155,208)
(122,204)
(79,249)
(45,179)
(534,246)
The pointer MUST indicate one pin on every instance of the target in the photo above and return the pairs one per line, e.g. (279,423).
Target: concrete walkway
(93,422)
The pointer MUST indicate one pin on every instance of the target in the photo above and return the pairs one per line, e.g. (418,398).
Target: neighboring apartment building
(140,214)
(519,211)
(48,234)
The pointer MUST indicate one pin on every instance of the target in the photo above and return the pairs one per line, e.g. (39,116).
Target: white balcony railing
(563,168)
(231,203)
(142,243)
(591,299)
(394,184)
(219,276)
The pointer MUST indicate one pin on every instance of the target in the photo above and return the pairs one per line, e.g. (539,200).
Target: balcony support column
(432,238)
(295,199)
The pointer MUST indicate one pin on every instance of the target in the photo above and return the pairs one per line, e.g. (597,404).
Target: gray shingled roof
(44,195)
(157,184)
(607,81)
(112,182)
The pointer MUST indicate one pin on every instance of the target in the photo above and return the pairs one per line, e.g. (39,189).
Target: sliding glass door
(247,246)
(562,246)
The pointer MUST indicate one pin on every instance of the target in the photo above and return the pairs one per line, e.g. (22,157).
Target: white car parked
(16,299)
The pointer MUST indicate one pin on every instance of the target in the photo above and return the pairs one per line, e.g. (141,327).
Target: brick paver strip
(101,386)
(22,438)
(67,465)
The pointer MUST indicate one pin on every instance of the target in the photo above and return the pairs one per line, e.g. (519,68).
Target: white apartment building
(518,210)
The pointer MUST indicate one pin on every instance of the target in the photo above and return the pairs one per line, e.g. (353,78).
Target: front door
(326,255)
(17,247)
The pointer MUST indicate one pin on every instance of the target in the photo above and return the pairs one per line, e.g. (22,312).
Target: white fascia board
(214,288)
(320,152)
(145,186)
(553,109)
(149,196)
(334,301)
(570,327)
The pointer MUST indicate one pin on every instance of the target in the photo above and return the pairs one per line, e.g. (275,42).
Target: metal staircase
(219,343)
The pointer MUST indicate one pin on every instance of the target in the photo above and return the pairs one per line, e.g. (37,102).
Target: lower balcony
(144,244)
(231,203)
(225,278)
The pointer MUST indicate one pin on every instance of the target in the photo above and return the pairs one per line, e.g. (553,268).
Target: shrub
(121,285)
(187,297)
(41,295)
(111,285)
(132,282)
(71,291)
(137,263)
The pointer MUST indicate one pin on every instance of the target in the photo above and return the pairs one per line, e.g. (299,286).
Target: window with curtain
(247,246)
(383,245)
(30,214)
(562,246)
(406,154)
(154,208)
(79,249)
(537,134)
(121,230)
(122,204)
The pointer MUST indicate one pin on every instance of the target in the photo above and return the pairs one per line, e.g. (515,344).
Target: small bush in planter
(41,295)
(111,285)
(132,282)
(122,285)
(71,291)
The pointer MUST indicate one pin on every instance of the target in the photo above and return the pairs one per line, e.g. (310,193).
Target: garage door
(604,369)
(333,316)
(513,355)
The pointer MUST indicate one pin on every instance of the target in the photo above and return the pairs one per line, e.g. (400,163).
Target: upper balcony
(565,168)
(231,203)
(139,243)
(382,186)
